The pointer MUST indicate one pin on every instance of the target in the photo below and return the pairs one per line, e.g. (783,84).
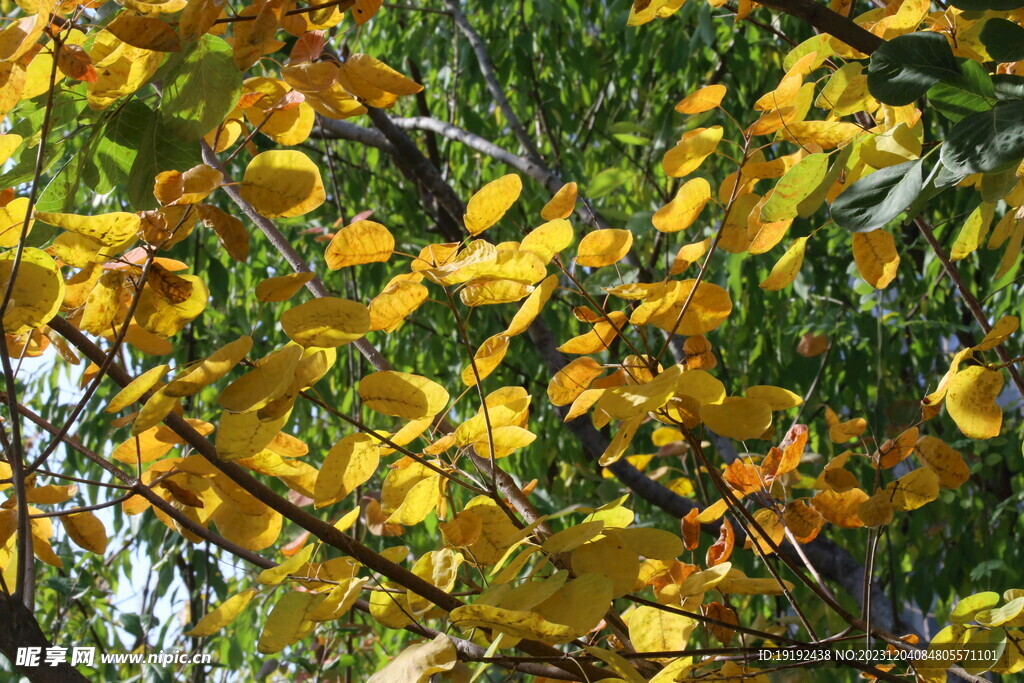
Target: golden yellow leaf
(358,243)
(655,630)
(893,452)
(971,401)
(915,489)
(136,388)
(392,306)
(945,461)
(531,308)
(876,257)
(489,204)
(223,615)
(361,70)
(111,229)
(844,431)
(738,418)
(154,411)
(218,364)
(12,221)
(825,134)
(350,463)
(86,530)
(401,394)
(777,398)
(157,315)
(650,543)
(691,151)
(999,333)
(484,292)
(631,401)
(282,183)
(287,624)
(876,510)
(786,269)
(282,122)
(684,208)
(275,575)
(418,663)
(486,359)
(497,533)
(611,559)
(840,508)
(603,247)
(282,287)
(326,322)
(562,204)
(548,239)
(702,100)
(709,307)
(267,381)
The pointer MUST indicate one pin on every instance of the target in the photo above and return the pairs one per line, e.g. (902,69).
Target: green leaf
(1003,39)
(903,69)
(873,201)
(988,142)
(158,151)
(114,152)
(607,181)
(1008,87)
(970,93)
(188,105)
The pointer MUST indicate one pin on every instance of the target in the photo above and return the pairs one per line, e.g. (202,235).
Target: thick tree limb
(825,20)
(20,629)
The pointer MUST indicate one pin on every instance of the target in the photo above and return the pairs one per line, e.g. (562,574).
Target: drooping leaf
(873,201)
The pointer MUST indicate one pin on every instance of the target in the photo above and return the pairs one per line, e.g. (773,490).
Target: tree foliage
(563,340)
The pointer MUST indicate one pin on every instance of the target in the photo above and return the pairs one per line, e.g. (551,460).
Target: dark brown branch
(825,20)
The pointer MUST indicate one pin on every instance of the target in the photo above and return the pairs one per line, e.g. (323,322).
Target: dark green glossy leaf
(1003,39)
(982,5)
(987,142)
(971,92)
(903,69)
(873,201)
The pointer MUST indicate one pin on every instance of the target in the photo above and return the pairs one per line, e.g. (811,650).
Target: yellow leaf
(999,333)
(282,183)
(218,364)
(627,402)
(598,338)
(326,322)
(161,317)
(36,293)
(709,307)
(417,663)
(86,530)
(339,601)
(516,623)
(223,615)
(110,229)
(489,204)
(655,630)
(417,501)
(485,292)
(285,125)
(401,394)
(691,151)
(603,247)
(282,287)
(971,401)
(267,381)
(579,604)
(892,452)
(738,418)
(531,308)
(154,411)
(548,239)
(569,382)
(913,490)
(844,431)
(650,543)
(876,510)
(286,624)
(362,70)
(275,575)
(561,205)
(840,508)
(777,398)
(945,461)
(795,186)
(620,442)
(973,232)
(876,257)
(684,208)
(136,388)
(825,134)
(487,358)
(784,272)
(12,221)
(702,100)
(350,463)
(497,533)
(358,243)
